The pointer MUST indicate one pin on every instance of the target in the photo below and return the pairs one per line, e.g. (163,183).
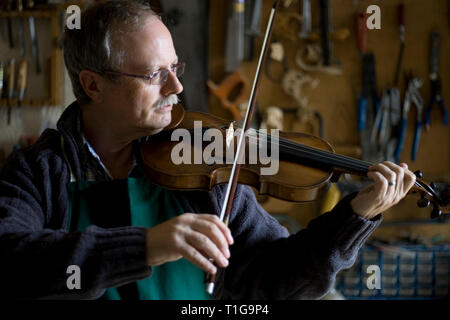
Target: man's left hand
(392,183)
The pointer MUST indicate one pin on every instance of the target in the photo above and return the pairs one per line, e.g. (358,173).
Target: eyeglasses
(159,77)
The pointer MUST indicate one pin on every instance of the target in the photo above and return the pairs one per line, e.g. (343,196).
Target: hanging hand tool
(21,85)
(10,70)
(369,91)
(253,11)
(234,46)
(368,102)
(412,95)
(306,20)
(435,79)
(388,116)
(325,30)
(2,86)
(2,81)
(401,21)
(34,41)
(386,122)
(20,29)
(8,7)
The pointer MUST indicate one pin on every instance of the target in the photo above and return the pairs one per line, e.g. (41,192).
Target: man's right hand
(196,237)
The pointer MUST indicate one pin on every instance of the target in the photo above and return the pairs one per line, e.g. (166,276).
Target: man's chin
(160,123)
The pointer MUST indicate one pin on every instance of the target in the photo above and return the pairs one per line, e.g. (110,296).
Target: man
(124,70)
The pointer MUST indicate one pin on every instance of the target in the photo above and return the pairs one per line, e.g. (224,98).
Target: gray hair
(93,47)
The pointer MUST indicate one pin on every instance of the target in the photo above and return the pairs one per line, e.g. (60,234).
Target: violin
(307,164)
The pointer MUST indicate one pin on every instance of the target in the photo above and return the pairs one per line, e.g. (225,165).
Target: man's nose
(172,85)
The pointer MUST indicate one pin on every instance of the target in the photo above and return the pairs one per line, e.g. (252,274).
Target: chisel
(401,21)
(10,70)
(9,24)
(234,46)
(2,72)
(21,85)
(20,29)
(325,30)
(33,36)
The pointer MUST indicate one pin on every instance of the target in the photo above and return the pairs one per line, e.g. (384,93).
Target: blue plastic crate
(407,272)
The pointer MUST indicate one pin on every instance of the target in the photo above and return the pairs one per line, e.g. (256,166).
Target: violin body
(293,181)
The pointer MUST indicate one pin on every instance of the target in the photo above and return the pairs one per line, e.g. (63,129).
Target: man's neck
(114,150)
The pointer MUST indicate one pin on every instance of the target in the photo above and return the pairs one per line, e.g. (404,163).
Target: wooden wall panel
(335,97)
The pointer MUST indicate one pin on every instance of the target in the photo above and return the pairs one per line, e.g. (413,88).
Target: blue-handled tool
(415,146)
(369,92)
(362,107)
(401,138)
(412,95)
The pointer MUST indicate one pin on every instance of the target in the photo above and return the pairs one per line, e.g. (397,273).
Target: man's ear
(93,85)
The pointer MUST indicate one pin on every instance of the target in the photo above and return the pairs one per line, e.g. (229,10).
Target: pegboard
(336,95)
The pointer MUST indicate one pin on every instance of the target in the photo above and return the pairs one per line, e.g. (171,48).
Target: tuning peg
(423,202)
(435,213)
(418,174)
(433,185)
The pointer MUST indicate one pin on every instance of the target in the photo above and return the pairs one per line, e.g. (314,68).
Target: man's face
(135,104)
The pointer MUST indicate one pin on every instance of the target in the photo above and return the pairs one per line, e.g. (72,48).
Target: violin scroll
(438,196)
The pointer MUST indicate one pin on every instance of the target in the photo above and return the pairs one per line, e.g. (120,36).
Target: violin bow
(232,182)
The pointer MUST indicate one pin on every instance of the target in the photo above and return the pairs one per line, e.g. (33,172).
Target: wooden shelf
(26,103)
(40,14)
(41,11)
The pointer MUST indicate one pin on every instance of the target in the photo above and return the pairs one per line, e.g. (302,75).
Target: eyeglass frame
(153,75)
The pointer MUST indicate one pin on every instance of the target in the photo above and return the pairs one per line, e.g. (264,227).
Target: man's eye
(156,75)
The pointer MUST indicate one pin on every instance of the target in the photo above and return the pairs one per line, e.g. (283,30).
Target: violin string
(326,157)
(319,155)
(331,155)
(324,152)
(320,159)
(351,167)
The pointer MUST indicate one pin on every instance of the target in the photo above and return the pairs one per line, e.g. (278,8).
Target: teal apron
(136,202)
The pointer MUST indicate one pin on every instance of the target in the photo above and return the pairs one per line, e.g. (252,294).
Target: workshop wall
(335,97)
(46,91)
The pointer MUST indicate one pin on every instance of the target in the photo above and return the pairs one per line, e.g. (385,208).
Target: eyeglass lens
(161,77)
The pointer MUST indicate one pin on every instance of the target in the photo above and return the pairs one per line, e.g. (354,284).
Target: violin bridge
(230,135)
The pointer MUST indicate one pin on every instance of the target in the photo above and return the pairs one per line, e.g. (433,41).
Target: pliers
(436,93)
(412,95)
(436,96)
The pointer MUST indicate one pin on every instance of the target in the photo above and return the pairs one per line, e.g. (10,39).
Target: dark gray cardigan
(266,263)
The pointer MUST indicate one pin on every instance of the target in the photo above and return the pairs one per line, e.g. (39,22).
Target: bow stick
(232,182)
